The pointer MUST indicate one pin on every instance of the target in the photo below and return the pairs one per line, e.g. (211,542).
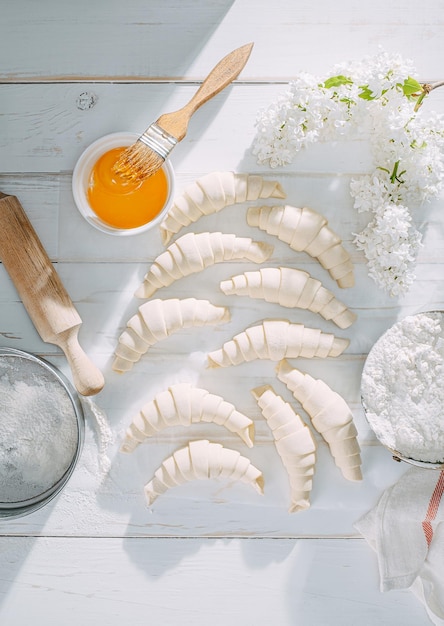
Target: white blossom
(370,191)
(374,99)
(390,243)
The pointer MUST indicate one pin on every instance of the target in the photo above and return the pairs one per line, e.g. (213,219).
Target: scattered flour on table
(38,430)
(104,433)
(403,387)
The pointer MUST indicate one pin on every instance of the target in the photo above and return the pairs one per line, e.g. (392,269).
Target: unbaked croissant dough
(290,287)
(192,253)
(158,319)
(183,405)
(329,414)
(294,442)
(211,193)
(275,340)
(306,230)
(202,460)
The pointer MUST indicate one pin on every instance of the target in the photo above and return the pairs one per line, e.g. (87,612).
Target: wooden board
(192,582)
(176,39)
(89,69)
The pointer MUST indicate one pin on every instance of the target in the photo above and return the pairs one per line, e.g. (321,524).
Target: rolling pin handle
(87,378)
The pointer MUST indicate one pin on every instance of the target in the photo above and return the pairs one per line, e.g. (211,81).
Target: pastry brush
(147,154)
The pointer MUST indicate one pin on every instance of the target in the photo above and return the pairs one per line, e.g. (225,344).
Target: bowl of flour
(41,432)
(402,389)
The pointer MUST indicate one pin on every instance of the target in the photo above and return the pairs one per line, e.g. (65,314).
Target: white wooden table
(207,551)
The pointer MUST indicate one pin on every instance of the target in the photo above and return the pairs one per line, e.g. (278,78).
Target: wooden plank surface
(86,69)
(165,39)
(50,134)
(257,582)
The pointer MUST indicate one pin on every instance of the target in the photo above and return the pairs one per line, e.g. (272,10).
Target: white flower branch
(376,98)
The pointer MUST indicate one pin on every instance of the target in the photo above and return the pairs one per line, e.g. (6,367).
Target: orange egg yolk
(123,203)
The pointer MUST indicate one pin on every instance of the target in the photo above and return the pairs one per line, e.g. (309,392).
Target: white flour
(38,429)
(103,432)
(403,387)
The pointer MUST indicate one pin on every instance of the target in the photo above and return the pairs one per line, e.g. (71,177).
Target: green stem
(394,174)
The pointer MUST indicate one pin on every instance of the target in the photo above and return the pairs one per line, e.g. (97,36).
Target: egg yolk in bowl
(123,203)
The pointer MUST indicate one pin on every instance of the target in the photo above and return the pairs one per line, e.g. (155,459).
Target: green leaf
(411,86)
(366,93)
(337,81)
(416,145)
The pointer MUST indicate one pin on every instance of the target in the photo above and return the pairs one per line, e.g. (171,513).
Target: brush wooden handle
(229,68)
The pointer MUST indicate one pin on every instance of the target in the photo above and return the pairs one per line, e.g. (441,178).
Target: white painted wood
(43,130)
(86,69)
(260,582)
(177,39)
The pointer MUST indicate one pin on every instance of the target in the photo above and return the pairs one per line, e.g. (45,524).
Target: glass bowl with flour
(41,432)
(402,389)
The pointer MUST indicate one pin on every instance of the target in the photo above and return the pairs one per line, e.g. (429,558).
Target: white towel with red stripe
(406,530)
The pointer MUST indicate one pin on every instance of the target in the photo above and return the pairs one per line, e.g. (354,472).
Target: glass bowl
(81,176)
(41,432)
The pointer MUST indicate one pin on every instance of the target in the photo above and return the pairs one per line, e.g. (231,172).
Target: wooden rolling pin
(42,292)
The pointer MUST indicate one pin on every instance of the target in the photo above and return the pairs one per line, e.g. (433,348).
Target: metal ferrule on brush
(158,140)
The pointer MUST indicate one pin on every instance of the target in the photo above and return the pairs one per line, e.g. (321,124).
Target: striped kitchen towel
(406,530)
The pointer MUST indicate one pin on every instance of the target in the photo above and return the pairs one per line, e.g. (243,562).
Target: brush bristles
(138,162)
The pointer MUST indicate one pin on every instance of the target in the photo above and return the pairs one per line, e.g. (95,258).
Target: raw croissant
(192,253)
(306,230)
(200,460)
(157,320)
(290,287)
(294,442)
(211,193)
(183,405)
(275,340)
(330,415)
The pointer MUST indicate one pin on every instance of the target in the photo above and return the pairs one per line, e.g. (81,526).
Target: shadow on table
(160,555)
(17,539)
(198,515)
